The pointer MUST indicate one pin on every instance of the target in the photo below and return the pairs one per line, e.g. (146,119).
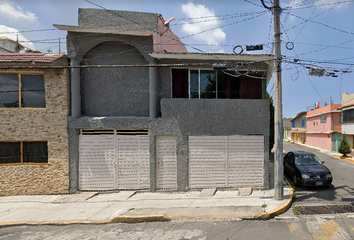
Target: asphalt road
(303,228)
(341,191)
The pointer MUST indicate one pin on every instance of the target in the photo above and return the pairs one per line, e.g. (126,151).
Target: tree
(271,127)
(344,147)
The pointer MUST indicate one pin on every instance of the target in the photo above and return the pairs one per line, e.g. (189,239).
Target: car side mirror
(322,162)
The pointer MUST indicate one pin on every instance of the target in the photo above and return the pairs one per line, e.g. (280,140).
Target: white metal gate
(226,161)
(112,159)
(166,167)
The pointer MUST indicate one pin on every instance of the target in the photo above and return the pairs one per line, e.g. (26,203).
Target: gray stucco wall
(115,91)
(187,117)
(182,118)
(121,20)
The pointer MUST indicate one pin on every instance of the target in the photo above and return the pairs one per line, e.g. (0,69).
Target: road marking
(296,229)
(322,229)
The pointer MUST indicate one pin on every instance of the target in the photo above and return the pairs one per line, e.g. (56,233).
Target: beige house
(347,118)
(34,156)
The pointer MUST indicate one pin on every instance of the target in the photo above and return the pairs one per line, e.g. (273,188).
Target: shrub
(344,147)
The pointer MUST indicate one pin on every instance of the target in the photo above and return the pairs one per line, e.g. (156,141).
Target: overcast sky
(321,32)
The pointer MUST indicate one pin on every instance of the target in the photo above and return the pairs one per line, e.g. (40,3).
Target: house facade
(8,45)
(34,155)
(145,114)
(298,128)
(347,117)
(324,127)
(287,128)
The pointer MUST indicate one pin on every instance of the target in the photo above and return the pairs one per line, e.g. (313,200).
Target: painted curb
(344,158)
(140,218)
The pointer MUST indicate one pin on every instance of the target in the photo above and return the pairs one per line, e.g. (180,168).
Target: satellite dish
(168,21)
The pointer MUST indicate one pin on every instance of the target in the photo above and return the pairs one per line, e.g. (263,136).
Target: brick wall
(48,124)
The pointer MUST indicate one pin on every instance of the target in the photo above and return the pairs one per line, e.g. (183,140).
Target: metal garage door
(112,159)
(166,163)
(226,161)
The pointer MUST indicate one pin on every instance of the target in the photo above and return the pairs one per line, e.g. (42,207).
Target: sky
(315,33)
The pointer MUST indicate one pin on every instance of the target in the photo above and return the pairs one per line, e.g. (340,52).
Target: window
(23,152)
(196,83)
(303,123)
(22,91)
(323,119)
(348,115)
(293,124)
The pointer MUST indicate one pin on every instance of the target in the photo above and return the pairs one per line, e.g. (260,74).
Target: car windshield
(306,160)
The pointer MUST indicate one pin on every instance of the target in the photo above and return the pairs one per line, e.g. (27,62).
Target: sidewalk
(349,158)
(131,206)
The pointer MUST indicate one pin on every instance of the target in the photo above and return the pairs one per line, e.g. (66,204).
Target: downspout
(75,89)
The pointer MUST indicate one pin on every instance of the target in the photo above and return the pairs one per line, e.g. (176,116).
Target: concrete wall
(320,140)
(347,98)
(183,118)
(120,20)
(186,117)
(115,91)
(48,124)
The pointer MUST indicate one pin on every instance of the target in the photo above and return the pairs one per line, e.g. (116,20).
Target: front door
(166,163)
(335,141)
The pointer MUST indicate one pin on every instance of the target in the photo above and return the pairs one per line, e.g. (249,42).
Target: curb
(281,209)
(344,158)
(140,218)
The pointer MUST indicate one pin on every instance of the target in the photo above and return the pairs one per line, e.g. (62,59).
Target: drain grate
(328,209)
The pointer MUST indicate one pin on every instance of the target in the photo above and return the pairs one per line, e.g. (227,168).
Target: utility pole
(278,108)
(278,115)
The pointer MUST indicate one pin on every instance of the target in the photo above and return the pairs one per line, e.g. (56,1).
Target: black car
(306,169)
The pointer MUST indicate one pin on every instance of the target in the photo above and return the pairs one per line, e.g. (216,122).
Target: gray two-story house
(146,114)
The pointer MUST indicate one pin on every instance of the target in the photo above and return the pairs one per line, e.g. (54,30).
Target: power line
(323,24)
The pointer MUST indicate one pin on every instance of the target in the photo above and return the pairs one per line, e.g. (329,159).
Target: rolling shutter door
(112,159)
(207,157)
(133,162)
(166,163)
(96,162)
(226,161)
(245,160)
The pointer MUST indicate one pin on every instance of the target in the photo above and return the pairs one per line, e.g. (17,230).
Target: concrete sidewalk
(131,206)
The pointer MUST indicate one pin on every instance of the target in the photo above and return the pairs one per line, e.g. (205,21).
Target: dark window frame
(323,119)
(24,156)
(24,91)
(348,115)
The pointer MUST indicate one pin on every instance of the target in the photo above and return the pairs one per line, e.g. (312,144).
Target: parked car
(306,169)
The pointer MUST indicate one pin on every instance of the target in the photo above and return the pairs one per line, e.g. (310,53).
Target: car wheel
(295,181)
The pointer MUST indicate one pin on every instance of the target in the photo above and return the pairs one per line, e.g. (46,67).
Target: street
(302,228)
(286,226)
(340,192)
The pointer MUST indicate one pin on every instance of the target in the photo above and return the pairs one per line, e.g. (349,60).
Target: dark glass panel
(33,93)
(10,152)
(35,152)
(9,85)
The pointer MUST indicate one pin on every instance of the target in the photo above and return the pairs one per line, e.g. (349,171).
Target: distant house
(34,156)
(145,114)
(287,128)
(324,127)
(348,117)
(8,45)
(298,128)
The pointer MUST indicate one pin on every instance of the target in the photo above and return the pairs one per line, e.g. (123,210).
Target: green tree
(344,147)
(271,126)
